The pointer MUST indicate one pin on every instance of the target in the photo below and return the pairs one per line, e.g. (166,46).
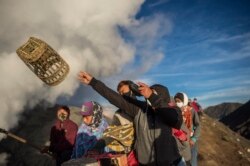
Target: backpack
(119,138)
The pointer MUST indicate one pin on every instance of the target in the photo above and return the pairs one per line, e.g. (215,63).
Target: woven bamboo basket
(45,62)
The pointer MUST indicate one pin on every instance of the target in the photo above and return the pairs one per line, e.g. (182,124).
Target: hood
(162,91)
(183,97)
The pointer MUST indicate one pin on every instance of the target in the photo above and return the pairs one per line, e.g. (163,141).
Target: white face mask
(179,104)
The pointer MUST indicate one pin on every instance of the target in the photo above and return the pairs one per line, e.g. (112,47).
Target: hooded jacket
(87,138)
(154,144)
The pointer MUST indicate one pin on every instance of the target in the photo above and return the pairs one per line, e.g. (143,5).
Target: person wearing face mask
(120,117)
(191,119)
(91,129)
(154,143)
(62,136)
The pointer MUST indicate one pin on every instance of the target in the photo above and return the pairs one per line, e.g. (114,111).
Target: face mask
(179,104)
(62,117)
(128,94)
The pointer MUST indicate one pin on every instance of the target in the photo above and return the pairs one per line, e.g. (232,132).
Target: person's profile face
(87,119)
(124,89)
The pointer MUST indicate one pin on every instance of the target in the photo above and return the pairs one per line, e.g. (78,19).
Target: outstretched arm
(112,96)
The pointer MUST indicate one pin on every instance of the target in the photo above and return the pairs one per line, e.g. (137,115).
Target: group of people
(166,132)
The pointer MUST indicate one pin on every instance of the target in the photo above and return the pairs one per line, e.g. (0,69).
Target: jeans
(194,153)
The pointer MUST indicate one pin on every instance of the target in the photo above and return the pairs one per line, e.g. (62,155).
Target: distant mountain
(221,110)
(239,120)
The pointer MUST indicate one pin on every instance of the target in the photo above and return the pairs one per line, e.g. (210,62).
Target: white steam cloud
(85,33)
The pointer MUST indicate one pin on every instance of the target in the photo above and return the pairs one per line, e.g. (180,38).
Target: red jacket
(195,106)
(62,136)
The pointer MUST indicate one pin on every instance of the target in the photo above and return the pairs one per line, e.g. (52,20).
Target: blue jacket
(87,138)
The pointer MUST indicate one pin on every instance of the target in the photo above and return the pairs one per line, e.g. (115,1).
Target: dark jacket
(121,118)
(62,136)
(154,144)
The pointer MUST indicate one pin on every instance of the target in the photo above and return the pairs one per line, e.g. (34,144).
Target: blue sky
(201,47)
(206,52)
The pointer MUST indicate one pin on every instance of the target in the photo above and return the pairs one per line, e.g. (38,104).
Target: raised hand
(145,90)
(85,77)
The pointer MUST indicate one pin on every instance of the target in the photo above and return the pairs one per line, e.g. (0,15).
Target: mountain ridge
(239,120)
(221,110)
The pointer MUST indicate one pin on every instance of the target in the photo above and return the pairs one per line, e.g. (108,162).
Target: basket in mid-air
(44,61)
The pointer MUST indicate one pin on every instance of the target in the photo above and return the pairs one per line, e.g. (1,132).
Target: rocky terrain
(218,145)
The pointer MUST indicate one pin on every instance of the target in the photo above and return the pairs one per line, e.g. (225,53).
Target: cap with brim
(87,109)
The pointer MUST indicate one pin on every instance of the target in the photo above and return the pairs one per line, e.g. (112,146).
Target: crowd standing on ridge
(153,131)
